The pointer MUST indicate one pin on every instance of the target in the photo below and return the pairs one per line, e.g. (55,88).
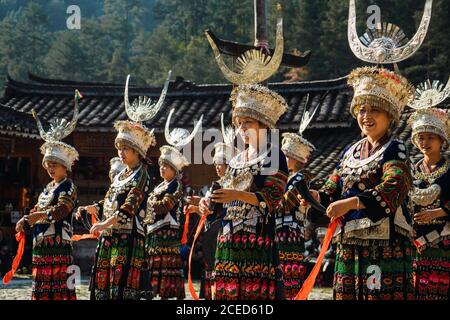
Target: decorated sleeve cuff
(376,207)
(122,217)
(99,207)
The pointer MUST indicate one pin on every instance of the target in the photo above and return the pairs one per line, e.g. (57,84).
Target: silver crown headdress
(177,139)
(294,145)
(54,149)
(426,118)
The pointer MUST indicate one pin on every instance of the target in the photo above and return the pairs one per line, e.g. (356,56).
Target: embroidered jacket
(431,191)
(57,200)
(266,176)
(381,179)
(126,199)
(163,206)
(289,212)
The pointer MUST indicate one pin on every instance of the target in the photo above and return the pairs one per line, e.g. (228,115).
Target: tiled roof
(16,123)
(103,103)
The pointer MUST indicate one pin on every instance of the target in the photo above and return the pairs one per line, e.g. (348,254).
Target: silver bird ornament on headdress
(59,128)
(228,133)
(142,108)
(306,117)
(387,43)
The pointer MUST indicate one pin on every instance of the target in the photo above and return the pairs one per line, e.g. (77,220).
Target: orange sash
(20,237)
(197,232)
(309,282)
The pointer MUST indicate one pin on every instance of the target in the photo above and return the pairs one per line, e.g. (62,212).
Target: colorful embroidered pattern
(273,190)
(395,183)
(165,263)
(50,261)
(432,273)
(245,267)
(352,274)
(291,244)
(120,270)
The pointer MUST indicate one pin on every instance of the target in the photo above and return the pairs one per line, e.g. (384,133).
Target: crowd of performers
(389,217)
(393,216)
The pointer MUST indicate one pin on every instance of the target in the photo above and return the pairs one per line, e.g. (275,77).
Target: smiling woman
(246,264)
(429,204)
(366,193)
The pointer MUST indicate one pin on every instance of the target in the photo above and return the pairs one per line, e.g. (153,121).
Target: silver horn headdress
(253,66)
(54,149)
(134,132)
(177,139)
(142,108)
(387,43)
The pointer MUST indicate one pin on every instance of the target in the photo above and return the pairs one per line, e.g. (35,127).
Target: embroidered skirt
(50,260)
(207,284)
(291,246)
(432,272)
(374,272)
(165,263)
(120,268)
(246,267)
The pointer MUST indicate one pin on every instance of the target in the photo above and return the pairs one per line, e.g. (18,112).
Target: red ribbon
(197,232)
(20,237)
(309,282)
(186,226)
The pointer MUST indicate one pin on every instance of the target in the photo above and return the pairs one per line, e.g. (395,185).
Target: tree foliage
(147,38)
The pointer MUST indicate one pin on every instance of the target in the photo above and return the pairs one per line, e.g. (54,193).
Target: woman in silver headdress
(120,268)
(163,217)
(51,217)
(246,265)
(429,201)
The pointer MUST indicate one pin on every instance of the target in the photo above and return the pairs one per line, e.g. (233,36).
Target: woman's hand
(203,206)
(194,200)
(429,215)
(339,208)
(225,195)
(35,217)
(92,210)
(315,194)
(98,227)
(20,225)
